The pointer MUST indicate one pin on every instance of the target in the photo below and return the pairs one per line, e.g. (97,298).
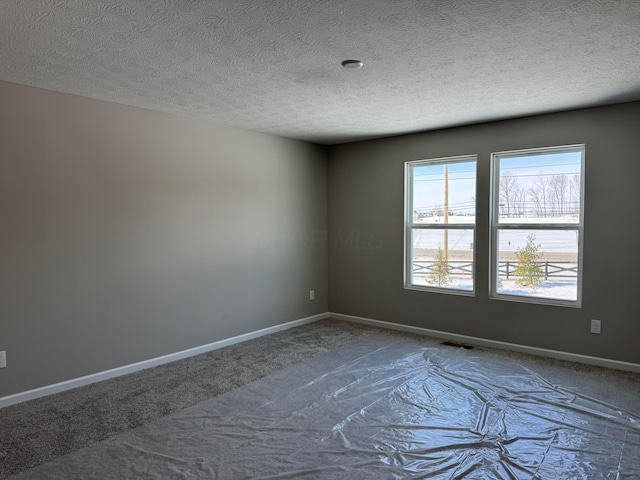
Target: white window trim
(409,226)
(495,226)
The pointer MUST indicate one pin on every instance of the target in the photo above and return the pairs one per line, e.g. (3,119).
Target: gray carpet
(42,430)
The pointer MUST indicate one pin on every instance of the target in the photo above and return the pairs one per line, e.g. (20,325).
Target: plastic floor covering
(411,408)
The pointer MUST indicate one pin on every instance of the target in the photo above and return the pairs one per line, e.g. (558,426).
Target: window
(537,225)
(440,224)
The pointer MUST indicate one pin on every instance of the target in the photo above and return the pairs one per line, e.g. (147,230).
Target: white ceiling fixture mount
(237,62)
(352,64)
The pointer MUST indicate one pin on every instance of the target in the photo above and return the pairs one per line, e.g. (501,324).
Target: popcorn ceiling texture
(274,66)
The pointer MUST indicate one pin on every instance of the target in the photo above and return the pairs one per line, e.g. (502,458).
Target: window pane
(540,188)
(442,258)
(538,263)
(440,188)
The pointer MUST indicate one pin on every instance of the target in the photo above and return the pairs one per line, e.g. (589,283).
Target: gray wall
(366,234)
(128,234)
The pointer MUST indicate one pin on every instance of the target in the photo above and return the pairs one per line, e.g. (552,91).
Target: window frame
(495,226)
(410,226)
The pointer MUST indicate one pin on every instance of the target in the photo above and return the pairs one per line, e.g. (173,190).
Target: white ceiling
(274,65)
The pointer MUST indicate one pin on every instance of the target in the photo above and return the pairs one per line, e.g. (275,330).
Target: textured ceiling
(274,65)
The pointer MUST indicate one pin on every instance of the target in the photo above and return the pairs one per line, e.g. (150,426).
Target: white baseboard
(542,352)
(116,372)
(153,362)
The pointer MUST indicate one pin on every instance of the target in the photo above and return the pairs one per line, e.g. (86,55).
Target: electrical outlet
(3,359)
(596,326)
(312,294)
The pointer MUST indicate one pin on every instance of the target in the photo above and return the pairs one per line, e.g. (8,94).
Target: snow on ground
(509,242)
(558,290)
(565,241)
(548,289)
